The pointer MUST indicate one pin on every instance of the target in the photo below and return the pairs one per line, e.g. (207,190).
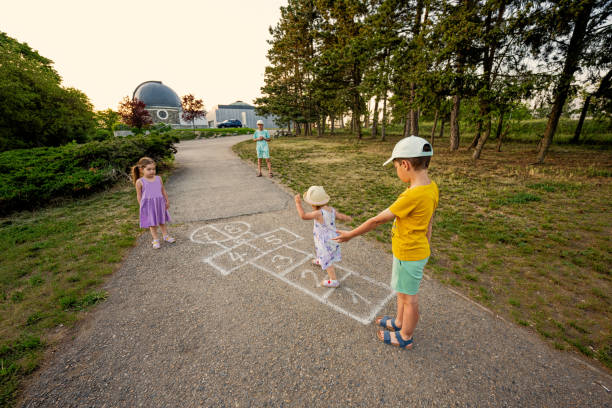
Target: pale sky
(215,50)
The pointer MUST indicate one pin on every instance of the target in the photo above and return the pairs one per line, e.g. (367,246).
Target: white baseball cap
(411,146)
(260,122)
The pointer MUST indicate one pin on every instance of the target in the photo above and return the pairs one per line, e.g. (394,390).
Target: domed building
(162,103)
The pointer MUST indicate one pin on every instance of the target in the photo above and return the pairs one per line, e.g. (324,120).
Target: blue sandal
(384,320)
(403,344)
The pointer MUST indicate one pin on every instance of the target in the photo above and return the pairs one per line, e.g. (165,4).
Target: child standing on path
(262,137)
(412,213)
(152,198)
(328,251)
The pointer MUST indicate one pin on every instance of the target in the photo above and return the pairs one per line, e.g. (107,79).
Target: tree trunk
(583,113)
(576,45)
(433,128)
(383,126)
(375,118)
(483,139)
(407,125)
(414,122)
(320,127)
(332,124)
(477,135)
(454,124)
(414,113)
(297,128)
(502,136)
(500,124)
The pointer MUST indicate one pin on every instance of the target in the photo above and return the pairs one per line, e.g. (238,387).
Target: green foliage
(31,177)
(106,119)
(189,134)
(36,110)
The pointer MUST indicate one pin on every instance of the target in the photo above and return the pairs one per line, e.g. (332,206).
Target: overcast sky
(215,50)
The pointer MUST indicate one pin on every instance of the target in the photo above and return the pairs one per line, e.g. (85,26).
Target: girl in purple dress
(324,230)
(153,200)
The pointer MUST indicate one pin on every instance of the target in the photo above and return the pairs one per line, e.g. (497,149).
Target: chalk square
(232,243)
(271,240)
(309,277)
(210,250)
(232,259)
(360,296)
(208,235)
(233,229)
(281,260)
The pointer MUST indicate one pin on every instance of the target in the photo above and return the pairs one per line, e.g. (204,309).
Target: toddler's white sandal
(328,283)
(156,244)
(169,239)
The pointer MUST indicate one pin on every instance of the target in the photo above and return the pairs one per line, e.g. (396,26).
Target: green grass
(530,242)
(53,262)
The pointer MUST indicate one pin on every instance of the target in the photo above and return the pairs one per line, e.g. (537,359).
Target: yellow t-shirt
(413,210)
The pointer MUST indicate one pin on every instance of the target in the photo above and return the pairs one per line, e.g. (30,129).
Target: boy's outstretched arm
(382,218)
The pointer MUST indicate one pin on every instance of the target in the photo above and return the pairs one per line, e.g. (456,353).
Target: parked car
(230,123)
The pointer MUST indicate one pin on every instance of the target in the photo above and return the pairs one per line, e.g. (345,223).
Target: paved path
(231,316)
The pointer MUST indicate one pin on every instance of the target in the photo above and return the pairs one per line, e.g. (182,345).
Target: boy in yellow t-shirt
(412,215)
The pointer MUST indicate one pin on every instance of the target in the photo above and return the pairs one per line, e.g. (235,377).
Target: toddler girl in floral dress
(324,216)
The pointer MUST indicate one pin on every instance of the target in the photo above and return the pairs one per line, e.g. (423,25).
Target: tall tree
(106,119)
(286,91)
(343,20)
(572,26)
(35,110)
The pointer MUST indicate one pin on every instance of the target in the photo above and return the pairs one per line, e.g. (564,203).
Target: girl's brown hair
(142,163)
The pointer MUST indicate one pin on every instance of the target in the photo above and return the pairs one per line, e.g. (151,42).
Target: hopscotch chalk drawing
(230,246)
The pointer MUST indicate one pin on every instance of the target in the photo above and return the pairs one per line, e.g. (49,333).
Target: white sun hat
(316,195)
(260,122)
(411,146)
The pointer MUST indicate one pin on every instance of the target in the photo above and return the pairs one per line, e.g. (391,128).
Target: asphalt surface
(230,315)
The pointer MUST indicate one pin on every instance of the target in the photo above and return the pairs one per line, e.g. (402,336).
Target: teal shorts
(262,150)
(406,276)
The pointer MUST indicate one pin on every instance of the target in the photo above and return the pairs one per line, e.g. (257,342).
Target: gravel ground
(215,321)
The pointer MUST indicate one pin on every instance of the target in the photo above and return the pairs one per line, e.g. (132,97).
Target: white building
(241,111)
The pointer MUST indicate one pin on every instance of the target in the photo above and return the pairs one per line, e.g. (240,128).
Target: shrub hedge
(189,134)
(30,178)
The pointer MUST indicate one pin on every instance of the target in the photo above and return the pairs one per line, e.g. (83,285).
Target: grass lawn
(532,243)
(52,265)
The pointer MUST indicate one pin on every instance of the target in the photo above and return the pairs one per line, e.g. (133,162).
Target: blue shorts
(406,276)
(263,152)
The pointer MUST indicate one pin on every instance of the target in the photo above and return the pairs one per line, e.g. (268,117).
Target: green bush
(29,178)
(189,134)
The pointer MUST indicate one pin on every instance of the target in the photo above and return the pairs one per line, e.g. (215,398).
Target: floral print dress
(327,250)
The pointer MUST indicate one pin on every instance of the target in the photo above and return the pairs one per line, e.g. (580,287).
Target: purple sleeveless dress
(152,204)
